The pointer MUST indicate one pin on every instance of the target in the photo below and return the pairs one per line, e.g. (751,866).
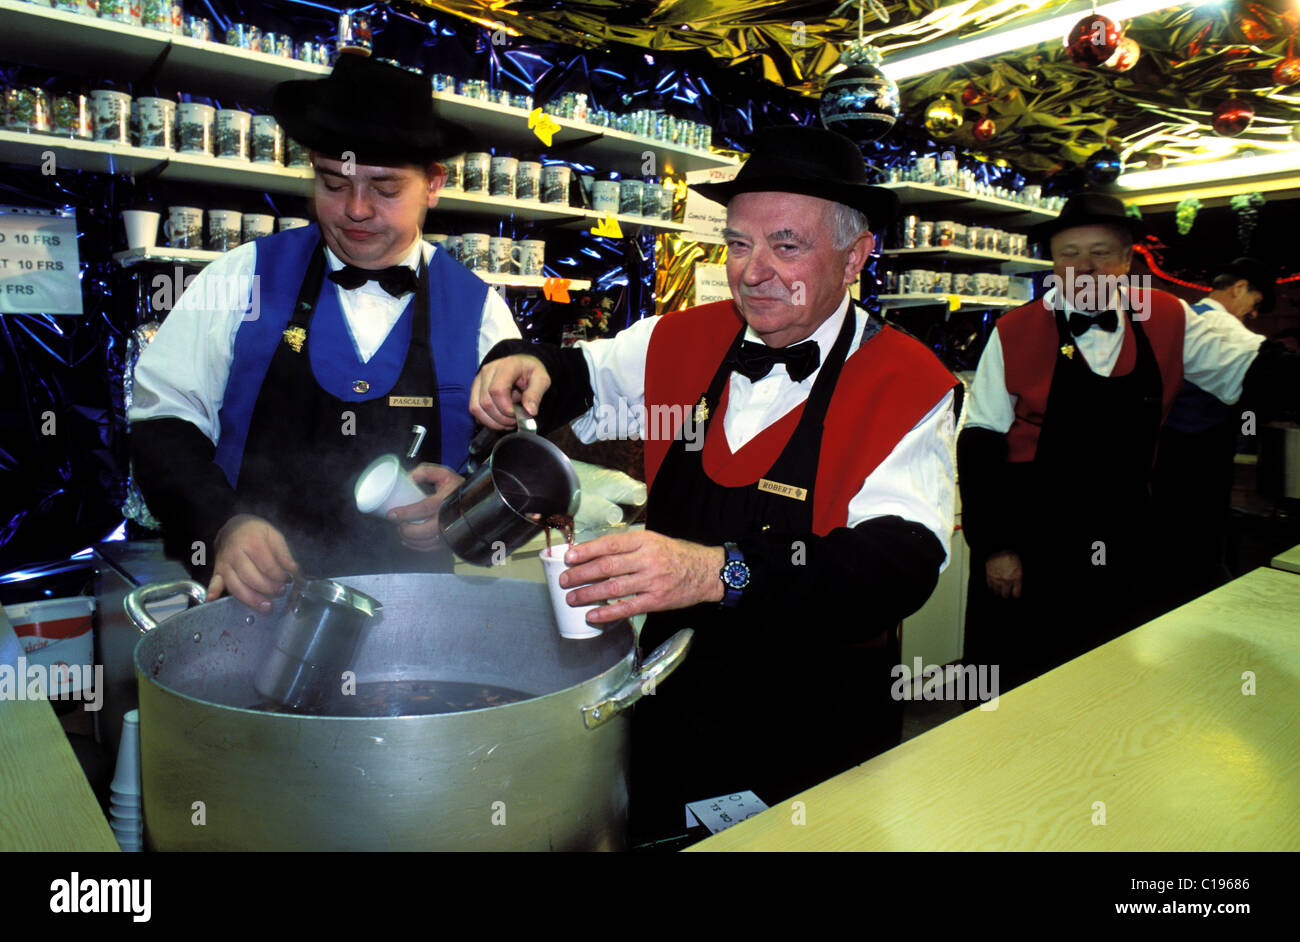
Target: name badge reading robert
(411,402)
(784,490)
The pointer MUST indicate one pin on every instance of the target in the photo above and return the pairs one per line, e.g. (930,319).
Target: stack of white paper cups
(124,807)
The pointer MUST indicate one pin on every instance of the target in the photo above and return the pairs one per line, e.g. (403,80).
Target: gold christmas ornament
(942,117)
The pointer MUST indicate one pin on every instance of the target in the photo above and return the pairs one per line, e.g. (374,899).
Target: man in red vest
(1060,434)
(801,489)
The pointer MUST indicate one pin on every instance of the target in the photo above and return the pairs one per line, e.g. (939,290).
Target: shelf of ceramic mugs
(1008,264)
(234,71)
(48,37)
(607,147)
(973,204)
(29,147)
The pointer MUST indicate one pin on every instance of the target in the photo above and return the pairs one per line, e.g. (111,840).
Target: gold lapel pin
(1068,350)
(294,337)
(702,410)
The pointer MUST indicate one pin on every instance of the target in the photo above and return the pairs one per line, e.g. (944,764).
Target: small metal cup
(316,642)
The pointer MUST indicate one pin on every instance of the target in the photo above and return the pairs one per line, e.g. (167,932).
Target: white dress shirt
(1217,352)
(915,481)
(183,372)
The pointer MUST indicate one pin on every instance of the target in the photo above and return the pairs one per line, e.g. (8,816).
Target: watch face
(735,574)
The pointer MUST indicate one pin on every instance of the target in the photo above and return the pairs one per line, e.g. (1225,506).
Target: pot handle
(137,599)
(665,659)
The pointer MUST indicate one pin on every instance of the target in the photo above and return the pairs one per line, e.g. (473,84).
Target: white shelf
(972,204)
(200,257)
(1010,264)
(90,44)
(22,147)
(921,300)
(164,254)
(530,281)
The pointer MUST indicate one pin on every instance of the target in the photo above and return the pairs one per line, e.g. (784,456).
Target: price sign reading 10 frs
(39,264)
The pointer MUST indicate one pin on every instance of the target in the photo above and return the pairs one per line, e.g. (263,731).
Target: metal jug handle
(523,421)
(481,445)
(665,659)
(137,599)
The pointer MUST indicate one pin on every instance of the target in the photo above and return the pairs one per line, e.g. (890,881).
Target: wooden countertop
(1154,725)
(1290,560)
(45,801)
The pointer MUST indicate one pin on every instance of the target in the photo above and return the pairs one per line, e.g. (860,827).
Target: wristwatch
(734,575)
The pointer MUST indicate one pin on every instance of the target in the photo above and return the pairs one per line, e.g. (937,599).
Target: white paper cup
(126,778)
(384,486)
(572,622)
(141,228)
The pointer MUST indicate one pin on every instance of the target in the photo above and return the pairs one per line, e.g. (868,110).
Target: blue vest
(1195,410)
(455,314)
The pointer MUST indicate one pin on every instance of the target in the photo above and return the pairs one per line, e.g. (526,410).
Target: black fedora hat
(1260,275)
(382,114)
(1089,209)
(809,162)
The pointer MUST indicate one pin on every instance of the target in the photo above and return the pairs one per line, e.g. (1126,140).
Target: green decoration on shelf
(1185,214)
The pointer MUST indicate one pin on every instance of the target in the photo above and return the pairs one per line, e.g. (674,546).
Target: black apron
(300,465)
(1087,566)
(766,707)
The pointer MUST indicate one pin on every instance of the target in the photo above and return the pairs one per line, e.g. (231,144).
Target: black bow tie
(756,360)
(397,280)
(1106,320)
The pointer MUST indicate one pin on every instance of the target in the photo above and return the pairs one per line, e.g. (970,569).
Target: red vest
(1029,347)
(886,387)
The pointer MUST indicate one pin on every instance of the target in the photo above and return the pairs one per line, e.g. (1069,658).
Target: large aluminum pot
(549,772)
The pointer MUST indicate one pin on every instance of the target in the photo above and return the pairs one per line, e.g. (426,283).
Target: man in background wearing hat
(1060,434)
(816,514)
(254,416)
(1192,483)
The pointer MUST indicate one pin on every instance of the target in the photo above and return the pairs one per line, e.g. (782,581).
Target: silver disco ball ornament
(861,102)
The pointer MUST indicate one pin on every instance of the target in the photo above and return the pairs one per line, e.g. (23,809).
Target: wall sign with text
(40,268)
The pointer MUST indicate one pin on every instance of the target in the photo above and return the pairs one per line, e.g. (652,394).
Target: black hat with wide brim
(1259,275)
(809,162)
(383,114)
(1089,209)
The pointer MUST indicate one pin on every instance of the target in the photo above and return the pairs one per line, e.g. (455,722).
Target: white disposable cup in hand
(384,486)
(571,621)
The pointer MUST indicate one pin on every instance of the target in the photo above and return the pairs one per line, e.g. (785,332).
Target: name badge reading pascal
(784,490)
(411,402)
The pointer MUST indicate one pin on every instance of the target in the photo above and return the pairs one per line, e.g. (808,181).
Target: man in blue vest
(291,363)
(1192,482)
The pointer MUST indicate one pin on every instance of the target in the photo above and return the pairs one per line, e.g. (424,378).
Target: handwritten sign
(556,289)
(711,283)
(543,125)
(704,217)
(608,227)
(718,814)
(39,262)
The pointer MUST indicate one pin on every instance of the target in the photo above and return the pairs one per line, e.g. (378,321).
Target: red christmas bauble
(985,130)
(1125,57)
(1092,41)
(1232,117)
(1287,72)
(972,96)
